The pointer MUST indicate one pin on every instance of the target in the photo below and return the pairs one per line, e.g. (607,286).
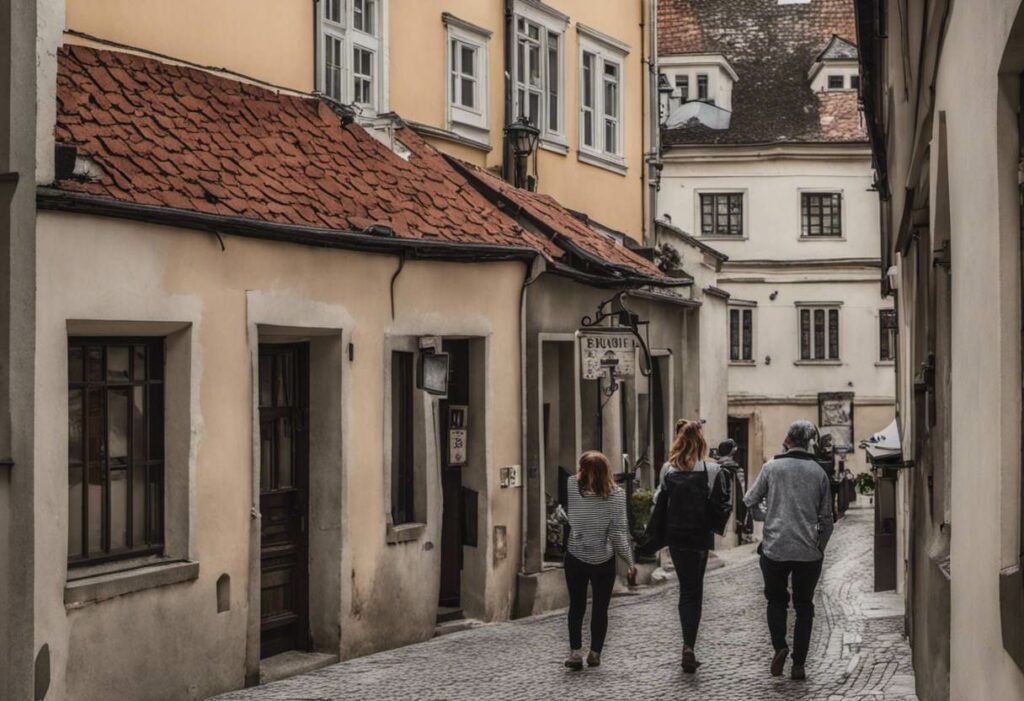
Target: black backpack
(688,509)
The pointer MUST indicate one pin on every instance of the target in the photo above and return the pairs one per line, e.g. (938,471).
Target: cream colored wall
(148,272)
(269,40)
(418,75)
(772,186)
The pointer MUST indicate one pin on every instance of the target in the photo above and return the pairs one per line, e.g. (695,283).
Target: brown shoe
(779,661)
(689,663)
(798,672)
(593,659)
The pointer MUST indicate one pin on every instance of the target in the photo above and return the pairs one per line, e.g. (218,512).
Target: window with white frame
(537,69)
(467,77)
(741,334)
(350,36)
(819,332)
(601,95)
(886,335)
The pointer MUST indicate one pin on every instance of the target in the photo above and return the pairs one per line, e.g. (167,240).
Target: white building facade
(766,160)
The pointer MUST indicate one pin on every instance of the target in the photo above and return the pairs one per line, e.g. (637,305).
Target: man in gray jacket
(793,497)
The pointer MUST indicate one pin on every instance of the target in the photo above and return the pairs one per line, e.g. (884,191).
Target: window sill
(723,237)
(817,362)
(615,165)
(743,363)
(405,532)
(555,146)
(885,364)
(822,238)
(94,588)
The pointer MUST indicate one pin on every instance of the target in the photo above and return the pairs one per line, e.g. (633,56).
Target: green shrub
(865,483)
(640,508)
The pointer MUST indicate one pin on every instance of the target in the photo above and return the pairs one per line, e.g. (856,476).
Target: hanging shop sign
(607,353)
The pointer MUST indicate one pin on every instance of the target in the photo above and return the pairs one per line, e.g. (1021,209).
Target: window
(887,335)
(821,214)
(835,82)
(467,78)
(721,214)
(351,46)
(819,333)
(702,86)
(854,82)
(600,97)
(464,75)
(741,334)
(115,448)
(403,460)
(538,68)
(683,86)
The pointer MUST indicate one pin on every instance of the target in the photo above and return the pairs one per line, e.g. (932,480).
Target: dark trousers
(601,579)
(776,589)
(690,567)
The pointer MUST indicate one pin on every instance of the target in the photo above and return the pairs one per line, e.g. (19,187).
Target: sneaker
(689,663)
(574,660)
(593,659)
(779,661)
(798,672)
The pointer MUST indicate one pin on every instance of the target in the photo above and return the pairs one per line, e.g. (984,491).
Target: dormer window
(836,67)
(703,89)
(835,82)
(683,86)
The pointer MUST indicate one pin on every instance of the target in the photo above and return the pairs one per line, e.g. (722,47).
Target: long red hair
(688,446)
(595,473)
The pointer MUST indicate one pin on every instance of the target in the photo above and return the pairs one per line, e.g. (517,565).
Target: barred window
(721,214)
(822,214)
(115,448)
(819,333)
(887,335)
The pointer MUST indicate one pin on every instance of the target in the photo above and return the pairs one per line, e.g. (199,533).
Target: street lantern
(522,137)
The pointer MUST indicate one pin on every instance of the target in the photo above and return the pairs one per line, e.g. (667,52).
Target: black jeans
(690,567)
(776,589)
(601,578)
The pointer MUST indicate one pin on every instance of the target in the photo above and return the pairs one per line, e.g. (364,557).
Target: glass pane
(819,334)
(534,107)
(75,426)
(266,366)
(95,487)
(611,99)
(468,93)
(118,510)
(139,363)
(156,505)
(357,14)
(117,424)
(94,364)
(75,511)
(521,62)
(95,434)
(284,453)
(734,334)
(533,32)
(833,334)
(588,128)
(588,80)
(156,427)
(805,334)
(284,392)
(534,56)
(117,363)
(468,61)
(138,424)
(748,334)
(610,136)
(75,357)
(139,506)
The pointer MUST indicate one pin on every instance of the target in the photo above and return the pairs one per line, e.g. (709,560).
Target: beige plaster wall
(147,272)
(417,86)
(270,40)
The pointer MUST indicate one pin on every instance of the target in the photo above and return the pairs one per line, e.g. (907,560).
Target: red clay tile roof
(178,137)
(549,214)
(772,48)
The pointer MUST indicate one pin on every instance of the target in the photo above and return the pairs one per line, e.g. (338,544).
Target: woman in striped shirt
(598,532)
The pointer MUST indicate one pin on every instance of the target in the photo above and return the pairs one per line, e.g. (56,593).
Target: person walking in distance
(793,497)
(598,531)
(693,502)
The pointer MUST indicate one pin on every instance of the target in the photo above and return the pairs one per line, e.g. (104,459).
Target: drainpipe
(654,155)
(533,273)
(510,42)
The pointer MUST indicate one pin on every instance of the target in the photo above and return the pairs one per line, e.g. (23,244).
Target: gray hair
(800,434)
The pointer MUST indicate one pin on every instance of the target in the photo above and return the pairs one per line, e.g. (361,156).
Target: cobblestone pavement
(857,651)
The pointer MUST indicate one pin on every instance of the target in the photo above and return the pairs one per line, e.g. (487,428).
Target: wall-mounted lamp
(522,137)
(773,295)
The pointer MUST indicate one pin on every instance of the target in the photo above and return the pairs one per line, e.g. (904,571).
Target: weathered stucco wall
(140,272)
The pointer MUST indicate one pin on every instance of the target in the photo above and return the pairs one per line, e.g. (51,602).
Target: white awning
(885,443)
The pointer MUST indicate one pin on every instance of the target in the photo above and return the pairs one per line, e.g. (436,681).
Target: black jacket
(685,512)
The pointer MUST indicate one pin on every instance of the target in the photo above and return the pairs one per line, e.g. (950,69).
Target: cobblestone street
(857,651)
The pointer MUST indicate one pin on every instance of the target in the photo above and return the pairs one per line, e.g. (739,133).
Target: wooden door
(284,497)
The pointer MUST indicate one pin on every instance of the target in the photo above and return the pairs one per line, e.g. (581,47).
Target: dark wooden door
(452,535)
(739,431)
(284,497)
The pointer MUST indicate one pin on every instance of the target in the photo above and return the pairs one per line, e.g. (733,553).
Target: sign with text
(604,350)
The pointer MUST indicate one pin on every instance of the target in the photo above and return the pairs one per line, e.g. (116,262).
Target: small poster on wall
(458,435)
(835,419)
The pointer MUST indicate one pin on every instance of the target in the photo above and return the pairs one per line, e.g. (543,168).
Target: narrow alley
(857,650)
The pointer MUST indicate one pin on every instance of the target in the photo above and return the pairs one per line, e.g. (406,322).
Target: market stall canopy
(884,445)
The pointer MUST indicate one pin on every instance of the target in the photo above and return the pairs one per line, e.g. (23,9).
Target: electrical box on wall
(511,476)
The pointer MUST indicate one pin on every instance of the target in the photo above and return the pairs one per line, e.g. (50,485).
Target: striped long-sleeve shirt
(598,529)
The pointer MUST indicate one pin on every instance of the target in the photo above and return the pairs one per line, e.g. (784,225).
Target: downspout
(653,106)
(316,45)
(533,273)
(509,51)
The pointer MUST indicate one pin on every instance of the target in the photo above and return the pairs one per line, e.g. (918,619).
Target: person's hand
(631,573)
